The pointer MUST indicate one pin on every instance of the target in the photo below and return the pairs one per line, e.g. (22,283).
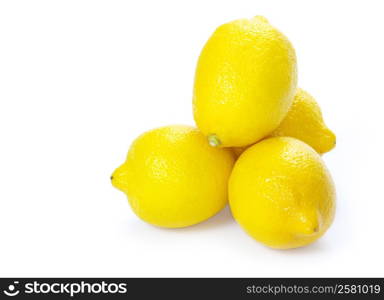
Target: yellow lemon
(281,193)
(304,121)
(173,177)
(245,81)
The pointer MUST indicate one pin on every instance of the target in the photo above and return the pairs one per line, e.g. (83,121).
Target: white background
(79,80)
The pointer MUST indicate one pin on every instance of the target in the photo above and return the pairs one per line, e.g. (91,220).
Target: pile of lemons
(257,145)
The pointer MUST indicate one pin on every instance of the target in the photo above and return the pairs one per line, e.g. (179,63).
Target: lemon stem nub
(213,140)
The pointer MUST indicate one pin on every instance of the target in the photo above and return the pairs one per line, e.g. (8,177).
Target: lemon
(245,81)
(304,121)
(281,193)
(173,178)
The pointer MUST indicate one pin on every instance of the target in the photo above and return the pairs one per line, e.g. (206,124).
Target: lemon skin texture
(245,81)
(304,121)
(281,193)
(174,178)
